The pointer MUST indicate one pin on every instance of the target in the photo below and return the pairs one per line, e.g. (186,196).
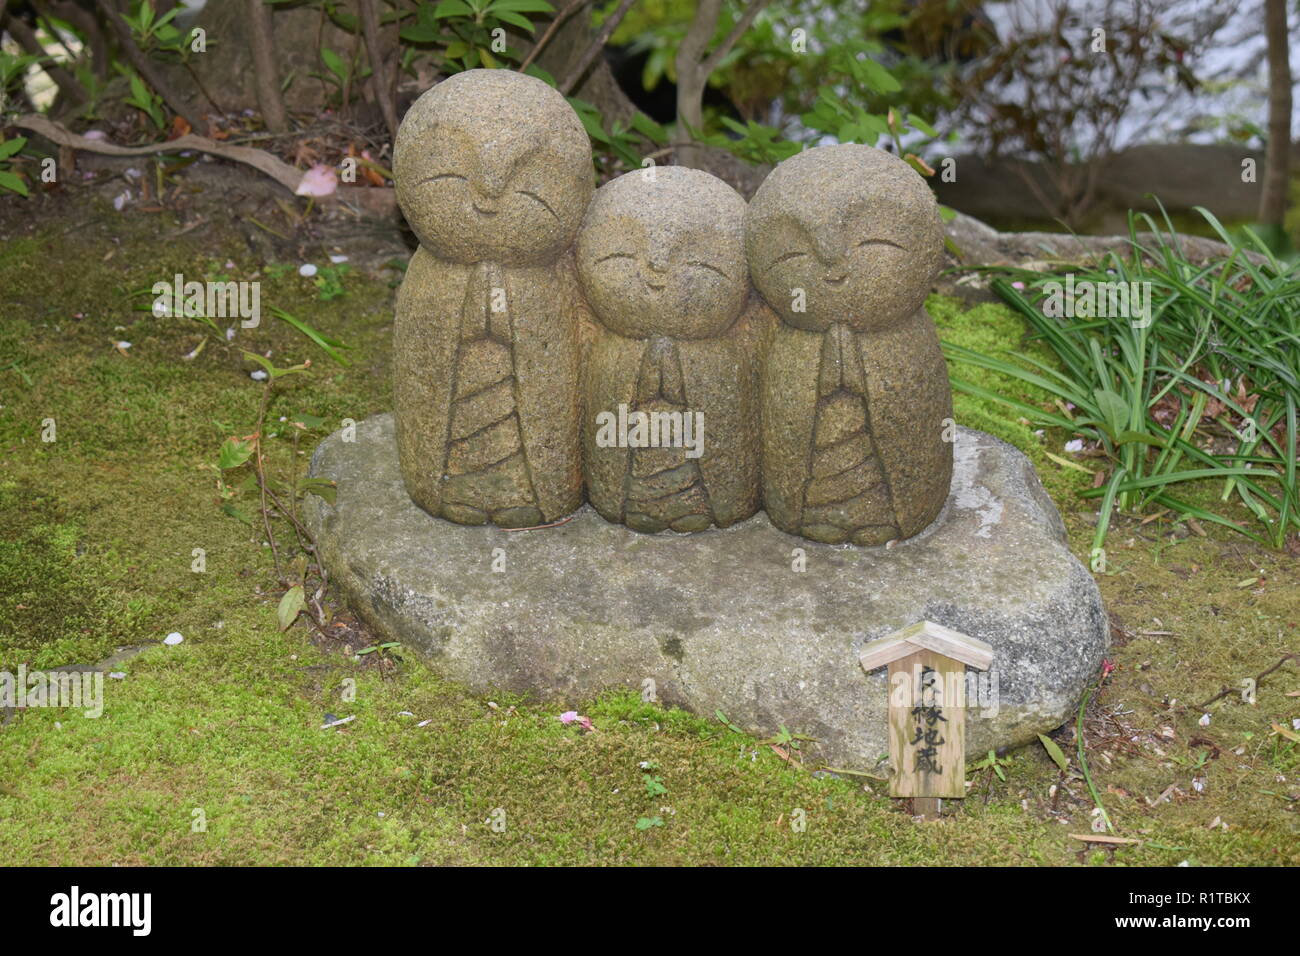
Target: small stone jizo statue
(670,430)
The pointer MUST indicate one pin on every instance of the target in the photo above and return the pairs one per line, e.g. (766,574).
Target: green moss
(97,532)
(995,329)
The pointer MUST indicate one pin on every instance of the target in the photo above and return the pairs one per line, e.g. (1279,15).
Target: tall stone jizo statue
(822,397)
(493,173)
(844,243)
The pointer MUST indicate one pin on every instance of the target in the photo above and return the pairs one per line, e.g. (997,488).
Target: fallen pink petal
(320,180)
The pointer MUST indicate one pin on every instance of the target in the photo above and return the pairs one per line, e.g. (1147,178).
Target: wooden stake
(927,710)
(927,733)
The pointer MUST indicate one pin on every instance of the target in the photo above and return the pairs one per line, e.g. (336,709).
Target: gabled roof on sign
(927,636)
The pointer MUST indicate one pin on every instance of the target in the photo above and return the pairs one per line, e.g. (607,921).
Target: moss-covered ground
(211,751)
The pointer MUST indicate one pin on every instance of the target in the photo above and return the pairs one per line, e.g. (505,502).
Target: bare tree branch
(597,44)
(261,40)
(730,40)
(378,66)
(694,67)
(1272,200)
(273,166)
(84,21)
(554,25)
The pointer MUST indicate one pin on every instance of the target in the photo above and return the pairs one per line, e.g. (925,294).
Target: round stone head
(662,252)
(845,234)
(493,165)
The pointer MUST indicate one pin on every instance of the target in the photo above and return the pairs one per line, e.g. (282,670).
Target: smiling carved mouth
(484,212)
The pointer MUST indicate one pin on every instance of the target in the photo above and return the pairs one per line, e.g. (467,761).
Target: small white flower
(230,333)
(1205,720)
(258,375)
(173,638)
(120,199)
(307,269)
(337,259)
(1074,445)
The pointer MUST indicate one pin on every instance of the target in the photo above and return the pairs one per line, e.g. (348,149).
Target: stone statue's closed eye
(488,202)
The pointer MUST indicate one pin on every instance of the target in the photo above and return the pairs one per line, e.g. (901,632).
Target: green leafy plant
(726,722)
(378,649)
(846,78)
(790,741)
(623,142)
(1203,389)
(465,32)
(654,788)
(1055,752)
(753,142)
(1081,754)
(93,87)
(143,98)
(993,764)
(342,73)
(9,179)
(296,565)
(150,30)
(329,281)
(330,345)
(13,69)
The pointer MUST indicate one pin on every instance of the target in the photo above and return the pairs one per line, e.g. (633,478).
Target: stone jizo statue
(844,243)
(644,366)
(661,260)
(493,172)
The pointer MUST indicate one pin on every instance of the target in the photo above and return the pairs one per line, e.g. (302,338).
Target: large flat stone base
(721,620)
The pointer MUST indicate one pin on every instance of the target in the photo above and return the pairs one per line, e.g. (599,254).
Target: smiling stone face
(661,252)
(493,165)
(850,232)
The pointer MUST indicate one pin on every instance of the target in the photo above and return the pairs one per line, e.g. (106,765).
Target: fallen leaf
(1287,733)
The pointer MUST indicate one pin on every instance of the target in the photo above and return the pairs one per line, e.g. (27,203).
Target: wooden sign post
(927,709)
